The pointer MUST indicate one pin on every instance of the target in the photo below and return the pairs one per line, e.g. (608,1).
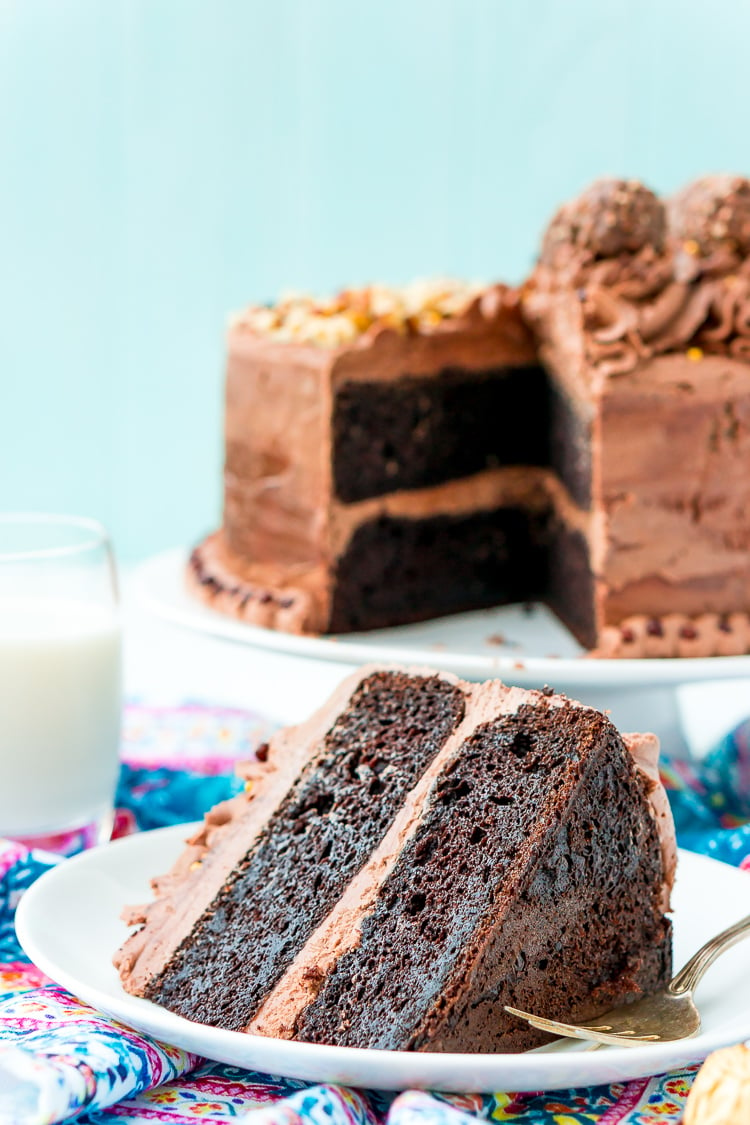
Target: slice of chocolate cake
(419,854)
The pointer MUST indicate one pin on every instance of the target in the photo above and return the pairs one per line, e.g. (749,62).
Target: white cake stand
(524,646)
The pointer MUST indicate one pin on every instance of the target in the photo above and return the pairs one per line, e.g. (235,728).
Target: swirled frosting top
(650,276)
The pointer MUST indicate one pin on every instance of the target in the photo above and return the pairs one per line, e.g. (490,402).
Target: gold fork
(667,1015)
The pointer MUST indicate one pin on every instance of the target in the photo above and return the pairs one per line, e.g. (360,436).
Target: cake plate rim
(159,587)
(86,894)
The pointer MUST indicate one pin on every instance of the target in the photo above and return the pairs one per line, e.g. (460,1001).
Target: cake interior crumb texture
(320,835)
(480,857)
(417,432)
(445,849)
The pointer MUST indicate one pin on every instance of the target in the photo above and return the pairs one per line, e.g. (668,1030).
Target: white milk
(59,713)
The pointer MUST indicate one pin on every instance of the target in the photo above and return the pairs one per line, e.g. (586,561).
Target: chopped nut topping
(330,322)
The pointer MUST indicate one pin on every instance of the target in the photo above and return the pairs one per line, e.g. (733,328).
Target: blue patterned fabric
(19,870)
(158,797)
(711,801)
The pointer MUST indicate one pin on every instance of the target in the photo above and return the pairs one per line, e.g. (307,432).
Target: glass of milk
(60,680)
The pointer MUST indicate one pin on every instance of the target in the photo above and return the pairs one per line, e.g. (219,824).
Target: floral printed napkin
(60,1060)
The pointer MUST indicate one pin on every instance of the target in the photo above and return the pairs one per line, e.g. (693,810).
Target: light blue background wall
(165,161)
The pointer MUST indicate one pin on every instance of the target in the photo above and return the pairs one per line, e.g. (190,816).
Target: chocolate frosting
(649,280)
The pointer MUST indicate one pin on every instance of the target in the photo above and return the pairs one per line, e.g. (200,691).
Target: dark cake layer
(414,432)
(481,893)
(405,570)
(570,450)
(417,432)
(324,830)
(570,588)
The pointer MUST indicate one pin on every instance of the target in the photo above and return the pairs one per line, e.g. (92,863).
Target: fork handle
(688,977)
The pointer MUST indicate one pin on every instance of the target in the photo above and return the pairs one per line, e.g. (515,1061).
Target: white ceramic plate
(537,649)
(68,923)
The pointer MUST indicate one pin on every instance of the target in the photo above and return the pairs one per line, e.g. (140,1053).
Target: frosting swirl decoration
(650,278)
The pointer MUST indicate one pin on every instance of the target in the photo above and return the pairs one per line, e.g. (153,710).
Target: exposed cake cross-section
(419,854)
(395,455)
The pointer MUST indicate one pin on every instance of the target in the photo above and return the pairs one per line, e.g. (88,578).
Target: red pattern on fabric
(627,1101)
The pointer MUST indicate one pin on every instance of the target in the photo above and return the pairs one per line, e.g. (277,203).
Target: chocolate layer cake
(393,455)
(420,853)
(360,462)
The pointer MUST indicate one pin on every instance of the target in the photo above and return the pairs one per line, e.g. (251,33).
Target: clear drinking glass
(60,681)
